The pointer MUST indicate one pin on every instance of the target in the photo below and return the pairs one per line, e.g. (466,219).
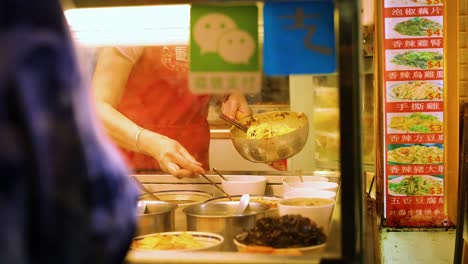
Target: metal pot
(267,150)
(183,199)
(271,201)
(219,217)
(158,216)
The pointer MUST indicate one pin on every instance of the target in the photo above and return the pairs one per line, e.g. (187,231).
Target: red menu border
(417,210)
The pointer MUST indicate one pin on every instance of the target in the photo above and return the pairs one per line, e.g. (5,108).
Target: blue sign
(299,38)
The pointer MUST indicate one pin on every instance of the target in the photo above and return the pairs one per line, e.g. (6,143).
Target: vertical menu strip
(413,65)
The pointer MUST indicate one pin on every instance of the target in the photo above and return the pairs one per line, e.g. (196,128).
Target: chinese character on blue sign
(299,38)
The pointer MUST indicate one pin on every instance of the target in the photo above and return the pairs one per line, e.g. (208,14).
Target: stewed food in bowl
(293,234)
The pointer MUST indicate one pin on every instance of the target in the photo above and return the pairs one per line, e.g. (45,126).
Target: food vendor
(143,98)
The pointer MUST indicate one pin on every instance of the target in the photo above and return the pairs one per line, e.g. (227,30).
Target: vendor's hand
(173,158)
(235,106)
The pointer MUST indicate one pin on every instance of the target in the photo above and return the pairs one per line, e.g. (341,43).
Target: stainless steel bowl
(158,216)
(271,201)
(219,217)
(275,148)
(183,199)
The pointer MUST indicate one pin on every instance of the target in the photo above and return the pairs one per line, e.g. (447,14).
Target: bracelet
(137,137)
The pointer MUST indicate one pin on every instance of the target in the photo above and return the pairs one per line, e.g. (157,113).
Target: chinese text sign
(413,113)
(299,38)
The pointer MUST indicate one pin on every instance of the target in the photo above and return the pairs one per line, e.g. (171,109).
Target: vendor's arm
(110,78)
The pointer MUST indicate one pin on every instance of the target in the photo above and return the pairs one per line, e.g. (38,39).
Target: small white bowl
(310,193)
(242,184)
(321,213)
(328,186)
(209,241)
(312,250)
(287,180)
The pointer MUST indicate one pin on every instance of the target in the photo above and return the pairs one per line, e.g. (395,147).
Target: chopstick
(220,175)
(151,194)
(234,122)
(214,184)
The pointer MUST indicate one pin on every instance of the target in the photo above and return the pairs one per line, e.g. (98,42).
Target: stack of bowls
(317,209)
(296,183)
(310,196)
(244,184)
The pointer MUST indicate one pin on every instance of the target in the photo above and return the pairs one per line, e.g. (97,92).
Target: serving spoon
(243,203)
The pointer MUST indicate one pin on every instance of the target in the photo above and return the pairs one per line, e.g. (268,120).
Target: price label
(437,190)
(434,2)
(436,32)
(432,96)
(437,159)
(435,128)
(434,64)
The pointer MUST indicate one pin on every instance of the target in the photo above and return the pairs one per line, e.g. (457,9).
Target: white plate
(210,241)
(392,98)
(400,178)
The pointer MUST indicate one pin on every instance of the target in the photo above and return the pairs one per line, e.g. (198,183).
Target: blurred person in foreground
(145,103)
(65,196)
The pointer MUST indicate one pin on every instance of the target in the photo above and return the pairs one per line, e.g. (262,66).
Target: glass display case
(338,106)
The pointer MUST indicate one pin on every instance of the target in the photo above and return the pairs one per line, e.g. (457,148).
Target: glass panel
(164,64)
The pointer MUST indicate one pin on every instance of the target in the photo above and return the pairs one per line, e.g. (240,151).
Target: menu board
(413,79)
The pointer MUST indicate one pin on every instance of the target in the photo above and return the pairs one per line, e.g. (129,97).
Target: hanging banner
(224,51)
(413,59)
(299,37)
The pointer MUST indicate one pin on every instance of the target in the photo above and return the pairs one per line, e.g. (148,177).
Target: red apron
(157,98)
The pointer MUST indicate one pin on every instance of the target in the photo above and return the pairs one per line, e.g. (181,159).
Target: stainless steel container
(183,198)
(219,217)
(271,201)
(275,148)
(158,216)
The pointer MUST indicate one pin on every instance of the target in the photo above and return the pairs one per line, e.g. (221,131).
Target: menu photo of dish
(422,59)
(405,154)
(416,185)
(415,91)
(416,122)
(413,27)
(404,3)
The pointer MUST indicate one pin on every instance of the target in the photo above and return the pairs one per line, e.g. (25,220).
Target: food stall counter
(155,183)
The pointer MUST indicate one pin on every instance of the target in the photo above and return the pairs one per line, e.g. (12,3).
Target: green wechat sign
(224,49)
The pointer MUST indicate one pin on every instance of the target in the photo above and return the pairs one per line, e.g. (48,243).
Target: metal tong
(214,184)
(151,194)
(234,122)
(220,175)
